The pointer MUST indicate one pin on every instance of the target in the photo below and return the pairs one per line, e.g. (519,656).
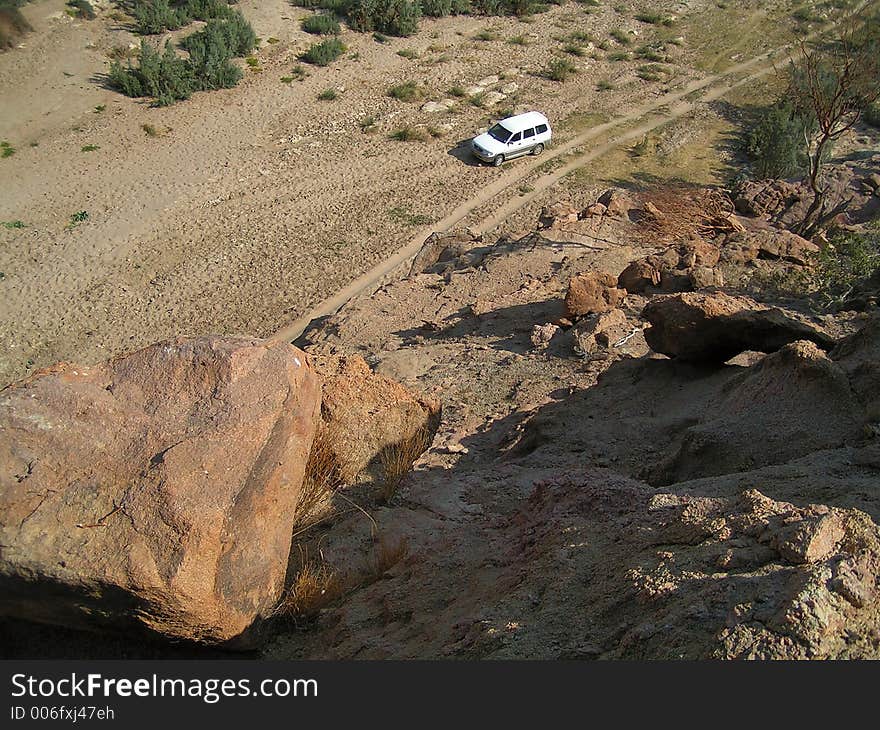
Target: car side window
(515,138)
(541,128)
(528,133)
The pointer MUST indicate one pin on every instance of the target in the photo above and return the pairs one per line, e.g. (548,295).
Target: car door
(528,140)
(514,145)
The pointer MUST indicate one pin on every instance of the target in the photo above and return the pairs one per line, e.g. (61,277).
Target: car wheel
(539,148)
(498,161)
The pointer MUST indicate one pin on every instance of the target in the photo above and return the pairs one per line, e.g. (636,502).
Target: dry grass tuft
(386,555)
(396,461)
(316,586)
(320,484)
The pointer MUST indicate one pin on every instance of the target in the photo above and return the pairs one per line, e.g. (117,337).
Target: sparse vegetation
(324,53)
(407,91)
(100,108)
(604,85)
(12,225)
(321,25)
(409,134)
(328,95)
(150,130)
(411,53)
(404,215)
(6,150)
(397,459)
(773,140)
(167,77)
(368,124)
(619,56)
(621,36)
(89,148)
(653,18)
(81,9)
(559,69)
(76,218)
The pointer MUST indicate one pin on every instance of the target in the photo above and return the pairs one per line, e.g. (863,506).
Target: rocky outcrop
(792,403)
(599,331)
(442,252)
(744,247)
(156,489)
(592,292)
(690,577)
(689,265)
(364,413)
(859,356)
(713,327)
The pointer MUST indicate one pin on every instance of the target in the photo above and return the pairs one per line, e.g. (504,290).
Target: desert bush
(409,134)
(81,9)
(209,10)
(871,114)
(619,56)
(164,76)
(559,69)
(621,36)
(323,53)
(328,95)
(844,262)
(157,16)
(321,25)
(6,150)
(407,91)
(211,51)
(442,8)
(12,23)
(394,17)
(774,140)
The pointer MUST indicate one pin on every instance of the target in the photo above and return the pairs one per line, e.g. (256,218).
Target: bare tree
(833,82)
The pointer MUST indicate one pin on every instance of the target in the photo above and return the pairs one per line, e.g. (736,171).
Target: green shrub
(559,69)
(871,114)
(209,10)
(328,95)
(211,51)
(81,9)
(324,53)
(844,262)
(774,141)
(621,36)
(407,91)
(157,16)
(166,77)
(394,17)
(6,150)
(409,134)
(442,8)
(321,25)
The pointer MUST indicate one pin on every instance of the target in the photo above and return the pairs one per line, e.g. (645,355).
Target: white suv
(512,137)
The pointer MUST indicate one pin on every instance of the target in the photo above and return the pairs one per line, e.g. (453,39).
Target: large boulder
(156,489)
(714,327)
(364,413)
(442,252)
(591,293)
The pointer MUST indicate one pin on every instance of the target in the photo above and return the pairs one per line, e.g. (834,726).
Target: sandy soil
(255,203)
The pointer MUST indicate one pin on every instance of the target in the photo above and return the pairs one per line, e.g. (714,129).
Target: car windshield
(500,133)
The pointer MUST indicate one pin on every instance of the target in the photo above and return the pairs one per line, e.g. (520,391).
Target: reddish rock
(156,489)
(713,327)
(364,413)
(599,331)
(557,215)
(638,276)
(703,277)
(595,291)
(617,203)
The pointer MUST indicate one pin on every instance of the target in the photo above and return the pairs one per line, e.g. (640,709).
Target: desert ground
(244,208)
